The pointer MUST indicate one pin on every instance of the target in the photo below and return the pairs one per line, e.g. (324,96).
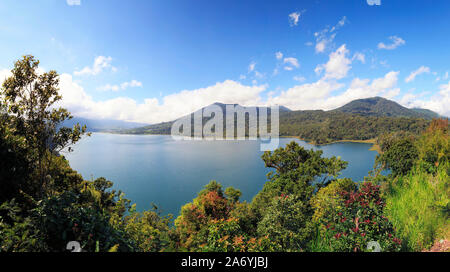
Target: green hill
(362,119)
(378,106)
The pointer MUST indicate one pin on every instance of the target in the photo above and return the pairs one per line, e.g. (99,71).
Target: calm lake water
(156,169)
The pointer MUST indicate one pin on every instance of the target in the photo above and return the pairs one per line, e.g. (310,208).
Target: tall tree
(31,99)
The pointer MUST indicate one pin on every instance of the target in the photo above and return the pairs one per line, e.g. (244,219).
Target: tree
(399,155)
(31,98)
(297,169)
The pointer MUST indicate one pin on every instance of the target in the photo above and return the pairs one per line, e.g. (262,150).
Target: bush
(326,201)
(361,221)
(287,222)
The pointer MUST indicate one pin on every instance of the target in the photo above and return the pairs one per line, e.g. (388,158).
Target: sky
(151,60)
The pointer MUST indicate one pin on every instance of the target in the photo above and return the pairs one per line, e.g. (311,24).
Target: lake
(156,169)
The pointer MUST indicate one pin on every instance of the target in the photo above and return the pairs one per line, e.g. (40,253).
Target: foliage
(418,205)
(69,217)
(360,221)
(287,223)
(328,199)
(149,230)
(434,146)
(193,223)
(30,98)
(18,233)
(227,236)
(399,155)
(296,169)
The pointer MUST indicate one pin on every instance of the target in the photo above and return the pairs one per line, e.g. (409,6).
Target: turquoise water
(156,169)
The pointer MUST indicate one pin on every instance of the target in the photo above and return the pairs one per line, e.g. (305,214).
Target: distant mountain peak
(379,106)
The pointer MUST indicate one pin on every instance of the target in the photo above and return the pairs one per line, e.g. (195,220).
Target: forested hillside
(322,127)
(378,106)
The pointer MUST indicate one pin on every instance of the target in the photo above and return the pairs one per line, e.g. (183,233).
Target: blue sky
(152,61)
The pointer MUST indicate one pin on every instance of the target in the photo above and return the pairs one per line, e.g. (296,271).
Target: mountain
(165,127)
(378,106)
(362,119)
(428,114)
(95,125)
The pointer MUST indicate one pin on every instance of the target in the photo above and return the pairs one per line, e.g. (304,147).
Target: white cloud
(123,86)
(279,55)
(292,62)
(421,70)
(340,24)
(396,42)
(294,18)
(319,95)
(73,2)
(337,66)
(100,63)
(438,102)
(154,110)
(360,57)
(325,37)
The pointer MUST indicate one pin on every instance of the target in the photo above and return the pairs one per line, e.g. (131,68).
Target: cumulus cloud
(100,63)
(438,102)
(123,86)
(319,95)
(337,66)
(73,2)
(153,110)
(421,70)
(396,42)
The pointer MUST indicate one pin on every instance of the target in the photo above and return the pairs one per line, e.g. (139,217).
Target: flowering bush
(360,221)
(227,236)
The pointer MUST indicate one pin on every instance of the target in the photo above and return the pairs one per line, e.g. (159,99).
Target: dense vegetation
(321,127)
(303,206)
(378,106)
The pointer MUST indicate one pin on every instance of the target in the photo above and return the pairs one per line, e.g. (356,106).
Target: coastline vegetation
(303,206)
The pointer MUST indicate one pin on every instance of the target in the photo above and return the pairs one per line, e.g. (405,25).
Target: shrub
(287,222)
(326,201)
(361,221)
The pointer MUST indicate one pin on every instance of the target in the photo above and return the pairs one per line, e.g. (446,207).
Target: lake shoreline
(374,147)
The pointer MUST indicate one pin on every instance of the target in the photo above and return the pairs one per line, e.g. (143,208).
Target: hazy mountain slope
(95,125)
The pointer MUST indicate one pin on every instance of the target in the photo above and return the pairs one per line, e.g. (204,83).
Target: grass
(418,206)
(320,242)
